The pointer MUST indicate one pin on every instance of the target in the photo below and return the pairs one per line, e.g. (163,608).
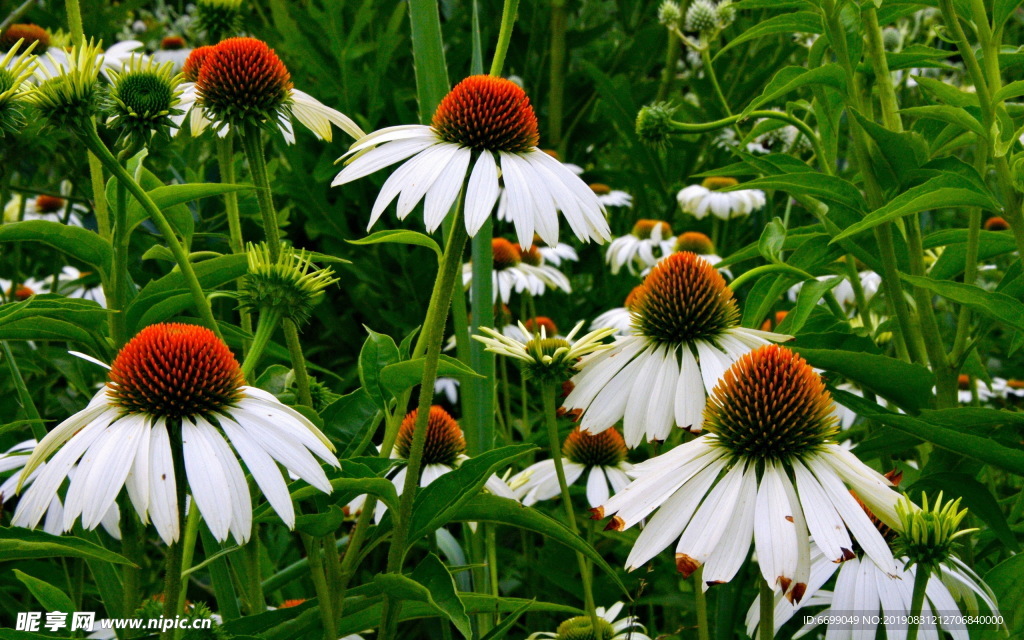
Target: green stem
(701,604)
(226,166)
(766,627)
(252,142)
(291,338)
(508,20)
(668,74)
(556,90)
(917,601)
(764,269)
(188,550)
(133,548)
(251,553)
(119,268)
(323,594)
(705,56)
(269,319)
(92,140)
(74,11)
(175,552)
(99,196)
(480,391)
(434,325)
(548,394)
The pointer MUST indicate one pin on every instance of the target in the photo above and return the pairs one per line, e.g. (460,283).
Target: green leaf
(1004,580)
(976,498)
(952,261)
(763,297)
(915,56)
(876,373)
(52,598)
(428,56)
(22,544)
(811,183)
(953,115)
(431,584)
(1012,90)
(378,352)
(947,93)
(900,153)
(353,479)
(998,306)
(78,243)
(347,419)
(400,236)
(942,192)
(502,628)
(396,378)
(321,524)
(486,508)
(772,240)
(787,23)
(791,78)
(806,301)
(165,197)
(956,440)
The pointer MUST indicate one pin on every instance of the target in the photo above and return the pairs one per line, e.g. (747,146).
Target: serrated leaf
(52,598)
(78,243)
(396,378)
(400,236)
(998,306)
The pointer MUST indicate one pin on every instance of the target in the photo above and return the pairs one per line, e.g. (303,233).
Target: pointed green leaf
(52,598)
(431,584)
(21,544)
(787,24)
(998,306)
(396,378)
(792,78)
(400,236)
(378,352)
(78,243)
(877,373)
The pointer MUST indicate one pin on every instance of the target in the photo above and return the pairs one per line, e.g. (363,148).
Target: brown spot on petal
(712,583)
(785,582)
(597,513)
(895,477)
(686,565)
(616,524)
(847,555)
(797,594)
(789,518)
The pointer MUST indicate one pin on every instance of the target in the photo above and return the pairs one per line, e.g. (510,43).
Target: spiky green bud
(291,285)
(653,123)
(15,68)
(702,16)
(928,533)
(142,101)
(582,628)
(670,14)
(69,95)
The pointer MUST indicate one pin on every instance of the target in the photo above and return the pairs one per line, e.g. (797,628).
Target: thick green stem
(92,140)
(508,20)
(291,338)
(175,552)
(119,269)
(188,550)
(226,166)
(766,627)
(701,604)
(548,392)
(323,594)
(74,11)
(917,601)
(265,328)
(556,90)
(252,142)
(434,325)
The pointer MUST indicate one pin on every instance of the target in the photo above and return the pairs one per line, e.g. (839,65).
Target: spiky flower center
(194,62)
(506,254)
(534,325)
(604,449)
(683,299)
(695,242)
(488,114)
(174,370)
(23,292)
(644,228)
(717,183)
(633,296)
(530,256)
(172,43)
(582,628)
(771,405)
(145,93)
(49,204)
(29,33)
(545,348)
(444,441)
(242,80)
(600,189)
(996,223)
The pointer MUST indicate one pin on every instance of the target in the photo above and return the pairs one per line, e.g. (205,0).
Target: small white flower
(628,628)
(699,200)
(641,248)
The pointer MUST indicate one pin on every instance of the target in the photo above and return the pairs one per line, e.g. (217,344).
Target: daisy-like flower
(59,59)
(699,200)
(15,70)
(176,390)
(641,248)
(541,275)
(612,197)
(443,452)
(513,274)
(240,81)
(619,318)
(695,242)
(75,284)
(969,387)
(582,627)
(13,461)
(685,335)
(600,457)
(485,122)
(863,587)
(541,356)
(770,421)
(45,207)
(533,328)
(23,35)
(1004,388)
(555,254)
(173,50)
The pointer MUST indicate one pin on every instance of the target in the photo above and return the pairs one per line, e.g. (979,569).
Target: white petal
(517,193)
(446,189)
(774,535)
(597,487)
(429,166)
(481,193)
(206,480)
(383,156)
(263,469)
(163,495)
(732,549)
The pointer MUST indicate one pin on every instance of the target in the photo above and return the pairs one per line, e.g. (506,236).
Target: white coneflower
(173,50)
(443,451)
(13,461)
(548,357)
(516,271)
(770,421)
(844,292)
(1004,388)
(75,284)
(685,335)
(542,276)
(969,388)
(242,80)
(640,248)
(582,627)
(24,290)
(695,242)
(176,389)
(611,197)
(699,200)
(600,457)
(46,207)
(484,122)
(555,254)
(619,318)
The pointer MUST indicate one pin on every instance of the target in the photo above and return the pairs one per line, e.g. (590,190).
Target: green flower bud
(290,286)
(653,123)
(702,16)
(669,13)
(928,533)
(15,69)
(142,100)
(69,96)
(582,628)
(892,39)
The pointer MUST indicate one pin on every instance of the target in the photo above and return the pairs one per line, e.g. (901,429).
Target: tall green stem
(555,443)
(508,20)
(766,627)
(556,90)
(709,68)
(917,601)
(175,552)
(226,166)
(323,595)
(437,315)
(701,604)
(92,140)
(269,319)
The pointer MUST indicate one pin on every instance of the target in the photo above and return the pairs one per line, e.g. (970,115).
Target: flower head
(23,36)
(484,122)
(142,100)
(68,96)
(194,62)
(175,393)
(641,248)
(708,197)
(444,443)
(242,81)
(929,532)
(582,627)
(695,242)
(654,123)
(290,286)
(548,358)
(15,68)
(995,223)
